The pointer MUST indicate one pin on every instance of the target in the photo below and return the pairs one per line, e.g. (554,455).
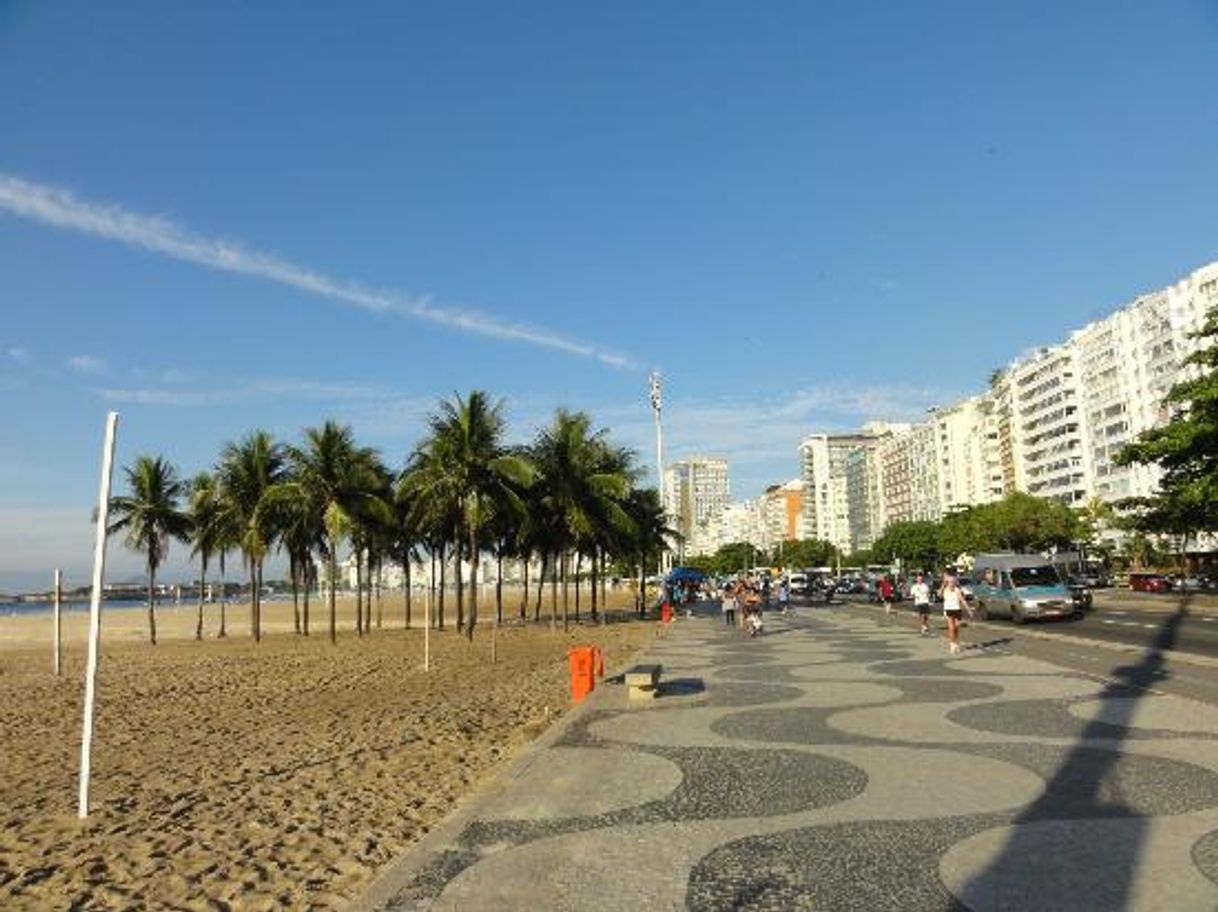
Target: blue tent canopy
(685,575)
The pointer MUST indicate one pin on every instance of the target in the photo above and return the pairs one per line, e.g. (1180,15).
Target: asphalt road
(1157,643)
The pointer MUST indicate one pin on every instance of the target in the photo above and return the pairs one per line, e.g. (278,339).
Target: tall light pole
(655,389)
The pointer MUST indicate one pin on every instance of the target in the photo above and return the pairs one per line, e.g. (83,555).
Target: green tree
(335,483)
(915,542)
(1185,448)
(579,487)
(151,515)
(466,468)
(206,520)
(248,469)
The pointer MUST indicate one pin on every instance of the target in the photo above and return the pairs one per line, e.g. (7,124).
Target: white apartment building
(824,461)
(1128,361)
(968,460)
(865,504)
(1048,426)
(696,490)
(909,475)
(739,522)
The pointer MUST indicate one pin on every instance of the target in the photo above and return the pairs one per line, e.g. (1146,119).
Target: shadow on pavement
(1074,793)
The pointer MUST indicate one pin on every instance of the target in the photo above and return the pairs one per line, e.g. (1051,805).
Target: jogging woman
(953,609)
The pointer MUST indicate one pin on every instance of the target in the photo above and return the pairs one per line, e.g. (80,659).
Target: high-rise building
(909,475)
(827,463)
(696,491)
(1048,425)
(1127,362)
(781,509)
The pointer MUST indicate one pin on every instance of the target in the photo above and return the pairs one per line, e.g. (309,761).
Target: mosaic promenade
(842,762)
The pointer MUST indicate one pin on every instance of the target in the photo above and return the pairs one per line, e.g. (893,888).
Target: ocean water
(9,609)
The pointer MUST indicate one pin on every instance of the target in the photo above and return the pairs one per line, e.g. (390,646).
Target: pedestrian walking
(885,587)
(784,596)
(920,592)
(953,609)
(729,605)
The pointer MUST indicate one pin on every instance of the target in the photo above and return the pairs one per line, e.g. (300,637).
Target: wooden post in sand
(58,624)
(99,575)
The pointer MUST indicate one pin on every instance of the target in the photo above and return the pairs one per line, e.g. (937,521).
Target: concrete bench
(643,681)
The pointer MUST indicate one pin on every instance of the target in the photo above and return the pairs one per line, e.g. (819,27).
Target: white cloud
(18,355)
(57,207)
(87,364)
(169,397)
(288,388)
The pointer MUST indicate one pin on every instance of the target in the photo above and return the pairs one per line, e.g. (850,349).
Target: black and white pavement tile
(841,764)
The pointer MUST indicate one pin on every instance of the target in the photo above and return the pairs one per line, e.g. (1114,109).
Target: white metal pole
(99,575)
(58,624)
(657,405)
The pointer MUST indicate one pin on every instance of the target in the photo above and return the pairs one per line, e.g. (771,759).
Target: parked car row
(1150,581)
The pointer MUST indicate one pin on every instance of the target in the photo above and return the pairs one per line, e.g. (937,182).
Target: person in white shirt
(953,609)
(921,598)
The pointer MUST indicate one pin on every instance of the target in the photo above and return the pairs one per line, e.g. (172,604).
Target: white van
(1021,587)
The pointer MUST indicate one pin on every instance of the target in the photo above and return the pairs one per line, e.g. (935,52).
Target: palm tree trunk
(524,598)
(554,592)
(376,582)
(541,587)
(457,549)
(595,576)
(499,588)
(564,561)
(443,581)
(473,583)
(223,602)
(604,577)
(640,599)
(294,572)
(406,576)
(579,563)
(333,592)
(254,599)
(359,591)
(307,570)
(202,591)
(151,603)
(258,601)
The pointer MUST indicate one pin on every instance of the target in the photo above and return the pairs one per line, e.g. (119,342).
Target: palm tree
(151,516)
(465,465)
(649,537)
(582,490)
(248,470)
(344,483)
(206,518)
(297,517)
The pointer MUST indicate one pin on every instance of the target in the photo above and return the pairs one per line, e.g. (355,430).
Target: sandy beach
(280,774)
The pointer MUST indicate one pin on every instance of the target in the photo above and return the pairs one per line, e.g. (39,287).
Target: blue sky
(221,216)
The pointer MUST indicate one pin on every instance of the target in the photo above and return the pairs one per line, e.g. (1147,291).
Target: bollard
(580,664)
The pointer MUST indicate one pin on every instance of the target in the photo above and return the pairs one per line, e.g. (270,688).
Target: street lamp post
(655,389)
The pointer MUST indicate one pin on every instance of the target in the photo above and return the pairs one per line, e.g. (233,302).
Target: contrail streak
(59,208)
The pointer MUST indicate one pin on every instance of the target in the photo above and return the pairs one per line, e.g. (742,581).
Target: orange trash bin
(580,664)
